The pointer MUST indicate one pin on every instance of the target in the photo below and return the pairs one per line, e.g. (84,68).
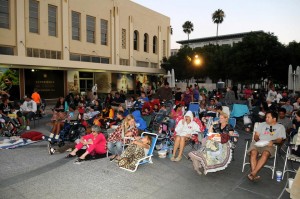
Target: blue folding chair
(194,107)
(148,157)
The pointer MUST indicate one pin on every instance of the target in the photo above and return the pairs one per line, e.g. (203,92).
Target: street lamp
(197,61)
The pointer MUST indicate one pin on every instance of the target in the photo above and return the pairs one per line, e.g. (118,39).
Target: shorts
(270,149)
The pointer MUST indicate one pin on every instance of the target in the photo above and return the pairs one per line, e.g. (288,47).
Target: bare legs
(256,165)
(179,142)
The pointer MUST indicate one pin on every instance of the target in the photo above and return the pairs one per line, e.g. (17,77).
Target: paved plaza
(30,172)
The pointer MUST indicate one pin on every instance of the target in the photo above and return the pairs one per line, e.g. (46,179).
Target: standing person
(270,132)
(229,96)
(95,143)
(187,97)
(37,98)
(28,109)
(272,94)
(165,93)
(196,93)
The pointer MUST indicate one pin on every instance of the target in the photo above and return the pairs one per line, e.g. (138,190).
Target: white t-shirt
(268,132)
(272,95)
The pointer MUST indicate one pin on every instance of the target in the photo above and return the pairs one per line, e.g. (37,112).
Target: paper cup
(278,176)
(291,180)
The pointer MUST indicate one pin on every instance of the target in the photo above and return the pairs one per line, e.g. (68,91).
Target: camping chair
(272,167)
(291,157)
(239,110)
(148,157)
(194,107)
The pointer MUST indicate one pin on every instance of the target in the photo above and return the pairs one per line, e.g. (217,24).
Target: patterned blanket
(8,143)
(213,157)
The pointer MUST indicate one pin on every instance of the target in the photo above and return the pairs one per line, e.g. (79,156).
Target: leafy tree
(188,27)
(218,17)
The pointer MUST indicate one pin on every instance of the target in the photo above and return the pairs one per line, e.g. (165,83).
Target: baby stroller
(10,126)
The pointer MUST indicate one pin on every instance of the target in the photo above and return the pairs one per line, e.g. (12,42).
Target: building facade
(62,46)
(229,39)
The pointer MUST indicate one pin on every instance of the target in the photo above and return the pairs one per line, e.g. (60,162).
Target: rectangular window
(85,58)
(52,15)
(104,60)
(33,16)
(29,52)
(104,28)
(74,57)
(124,38)
(36,52)
(96,59)
(6,50)
(90,29)
(75,25)
(4,14)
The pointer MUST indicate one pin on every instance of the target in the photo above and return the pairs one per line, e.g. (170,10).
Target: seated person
(270,132)
(136,150)
(59,110)
(147,109)
(155,108)
(125,111)
(215,154)
(126,129)
(130,103)
(175,114)
(184,130)
(296,105)
(296,125)
(285,121)
(28,109)
(7,108)
(57,126)
(288,107)
(117,100)
(142,99)
(95,143)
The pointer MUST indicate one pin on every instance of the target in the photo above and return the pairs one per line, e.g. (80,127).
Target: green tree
(188,27)
(218,17)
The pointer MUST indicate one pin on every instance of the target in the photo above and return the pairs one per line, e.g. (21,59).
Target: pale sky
(281,17)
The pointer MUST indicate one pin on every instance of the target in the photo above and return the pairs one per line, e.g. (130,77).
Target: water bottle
(170,152)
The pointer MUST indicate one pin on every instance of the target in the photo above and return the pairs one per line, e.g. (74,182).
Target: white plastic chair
(272,167)
(291,157)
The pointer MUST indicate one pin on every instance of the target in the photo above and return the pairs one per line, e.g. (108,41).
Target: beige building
(89,41)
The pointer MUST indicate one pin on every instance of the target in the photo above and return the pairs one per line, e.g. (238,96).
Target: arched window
(136,40)
(146,42)
(154,44)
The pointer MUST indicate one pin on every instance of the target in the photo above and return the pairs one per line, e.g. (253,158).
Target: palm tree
(218,17)
(188,27)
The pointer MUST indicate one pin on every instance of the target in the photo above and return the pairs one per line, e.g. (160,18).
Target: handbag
(224,138)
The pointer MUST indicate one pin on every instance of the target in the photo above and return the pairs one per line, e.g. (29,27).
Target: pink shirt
(99,141)
(176,114)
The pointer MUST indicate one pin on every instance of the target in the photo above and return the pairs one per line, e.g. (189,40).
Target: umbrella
(290,78)
(173,78)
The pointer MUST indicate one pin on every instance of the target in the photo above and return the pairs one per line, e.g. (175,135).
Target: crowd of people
(117,121)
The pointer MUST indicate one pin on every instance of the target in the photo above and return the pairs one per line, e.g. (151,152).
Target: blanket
(8,143)
(213,157)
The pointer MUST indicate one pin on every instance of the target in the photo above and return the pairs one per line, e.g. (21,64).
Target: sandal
(256,178)
(112,158)
(250,177)
(70,156)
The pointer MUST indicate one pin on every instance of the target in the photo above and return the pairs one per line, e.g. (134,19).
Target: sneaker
(49,147)
(78,161)
(52,151)
(27,128)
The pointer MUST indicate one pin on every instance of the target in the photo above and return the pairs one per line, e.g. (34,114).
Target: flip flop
(256,178)
(250,177)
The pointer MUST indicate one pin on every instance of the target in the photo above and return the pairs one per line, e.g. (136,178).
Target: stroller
(10,126)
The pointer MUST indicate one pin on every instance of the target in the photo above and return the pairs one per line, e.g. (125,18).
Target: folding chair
(272,167)
(195,107)
(148,157)
(291,157)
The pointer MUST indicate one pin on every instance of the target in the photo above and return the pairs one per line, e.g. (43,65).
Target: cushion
(32,135)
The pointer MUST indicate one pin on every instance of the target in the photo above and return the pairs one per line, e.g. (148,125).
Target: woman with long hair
(116,139)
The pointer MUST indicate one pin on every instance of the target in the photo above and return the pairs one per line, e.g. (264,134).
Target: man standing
(165,93)
(266,134)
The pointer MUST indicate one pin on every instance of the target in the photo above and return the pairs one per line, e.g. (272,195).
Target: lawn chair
(194,107)
(272,167)
(291,157)
(148,157)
